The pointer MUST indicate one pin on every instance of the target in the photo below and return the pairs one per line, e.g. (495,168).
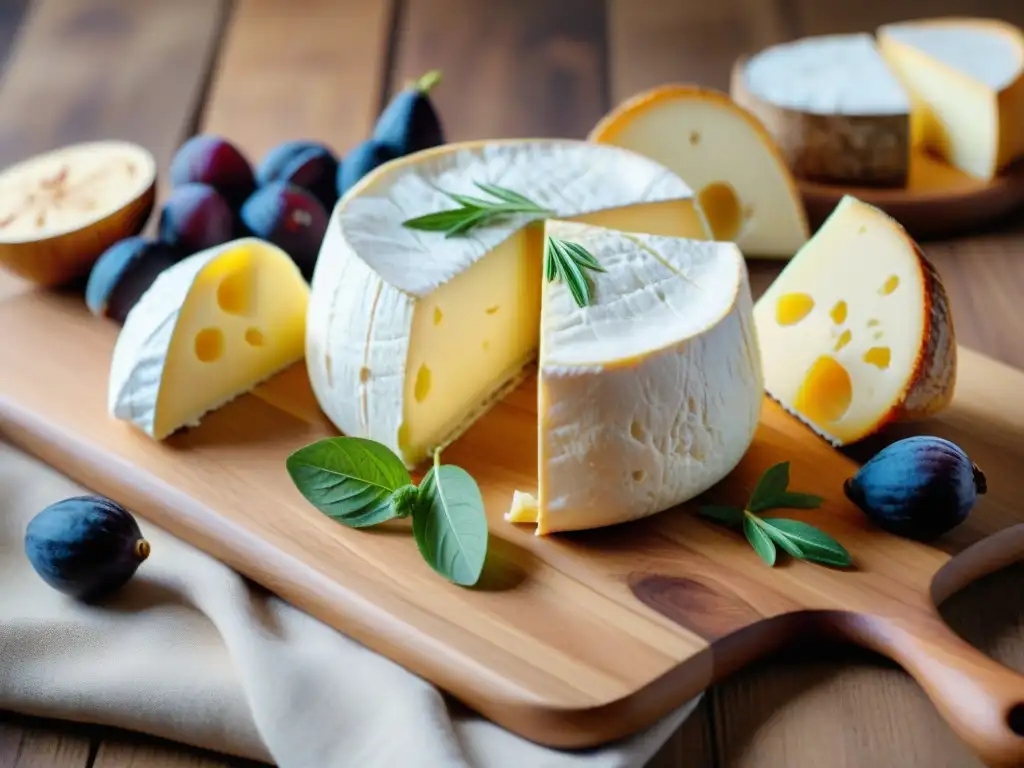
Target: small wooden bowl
(60,210)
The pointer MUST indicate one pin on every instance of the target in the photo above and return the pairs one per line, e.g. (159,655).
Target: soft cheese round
(411,336)
(650,394)
(827,75)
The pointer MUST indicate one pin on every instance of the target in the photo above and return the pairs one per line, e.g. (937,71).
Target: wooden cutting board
(570,640)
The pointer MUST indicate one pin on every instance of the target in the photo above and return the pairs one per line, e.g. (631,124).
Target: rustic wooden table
(260,71)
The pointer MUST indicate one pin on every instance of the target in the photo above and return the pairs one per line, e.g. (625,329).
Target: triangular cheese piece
(413,335)
(741,181)
(966,80)
(856,331)
(209,329)
(649,394)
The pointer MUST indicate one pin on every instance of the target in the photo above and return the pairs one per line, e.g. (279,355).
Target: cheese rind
(412,336)
(856,332)
(836,110)
(208,329)
(742,182)
(650,394)
(966,79)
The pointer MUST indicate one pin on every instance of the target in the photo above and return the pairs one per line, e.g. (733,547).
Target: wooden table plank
(143,754)
(840,708)
(25,745)
(511,69)
(318,74)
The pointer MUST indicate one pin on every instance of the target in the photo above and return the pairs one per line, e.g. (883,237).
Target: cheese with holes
(651,393)
(741,181)
(411,336)
(856,331)
(210,328)
(966,79)
(838,113)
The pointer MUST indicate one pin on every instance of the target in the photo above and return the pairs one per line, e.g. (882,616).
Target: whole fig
(85,546)
(309,165)
(194,218)
(360,160)
(123,273)
(212,160)
(290,218)
(919,487)
(410,123)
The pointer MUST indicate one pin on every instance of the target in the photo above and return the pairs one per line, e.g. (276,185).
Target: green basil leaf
(450,525)
(727,515)
(759,540)
(770,487)
(816,545)
(349,479)
(792,500)
(788,545)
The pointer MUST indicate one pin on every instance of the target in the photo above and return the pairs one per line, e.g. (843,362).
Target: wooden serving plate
(939,201)
(569,640)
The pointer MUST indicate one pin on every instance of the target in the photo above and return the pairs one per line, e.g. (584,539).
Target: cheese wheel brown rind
(858,150)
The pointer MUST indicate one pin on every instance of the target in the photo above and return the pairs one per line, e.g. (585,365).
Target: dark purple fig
(309,165)
(290,218)
(919,487)
(196,217)
(360,160)
(123,273)
(410,123)
(215,161)
(85,546)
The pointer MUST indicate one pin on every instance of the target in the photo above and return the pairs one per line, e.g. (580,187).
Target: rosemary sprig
(566,261)
(475,211)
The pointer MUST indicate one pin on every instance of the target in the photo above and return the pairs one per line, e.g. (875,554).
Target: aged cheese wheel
(837,112)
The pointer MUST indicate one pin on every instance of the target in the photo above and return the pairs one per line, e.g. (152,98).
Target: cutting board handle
(982,700)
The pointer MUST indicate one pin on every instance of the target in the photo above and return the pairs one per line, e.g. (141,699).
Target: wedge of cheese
(837,112)
(210,328)
(856,331)
(650,394)
(413,335)
(742,182)
(966,79)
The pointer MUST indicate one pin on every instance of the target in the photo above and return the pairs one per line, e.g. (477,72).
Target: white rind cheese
(207,330)
(651,394)
(411,336)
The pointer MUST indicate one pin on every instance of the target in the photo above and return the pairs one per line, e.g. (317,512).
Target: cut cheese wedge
(856,331)
(650,394)
(966,79)
(210,328)
(742,182)
(836,110)
(412,335)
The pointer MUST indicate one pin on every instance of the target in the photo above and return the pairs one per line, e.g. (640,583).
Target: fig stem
(980,482)
(142,549)
(428,81)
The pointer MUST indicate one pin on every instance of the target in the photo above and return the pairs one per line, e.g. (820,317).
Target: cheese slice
(411,336)
(742,182)
(966,79)
(838,113)
(856,331)
(210,328)
(651,393)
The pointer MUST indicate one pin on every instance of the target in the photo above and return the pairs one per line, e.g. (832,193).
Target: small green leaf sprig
(360,483)
(797,538)
(567,260)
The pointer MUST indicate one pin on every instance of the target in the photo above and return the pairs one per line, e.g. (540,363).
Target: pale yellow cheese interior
(243,320)
(973,119)
(472,336)
(842,327)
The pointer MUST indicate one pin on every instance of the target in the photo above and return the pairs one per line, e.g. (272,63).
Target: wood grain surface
(809,708)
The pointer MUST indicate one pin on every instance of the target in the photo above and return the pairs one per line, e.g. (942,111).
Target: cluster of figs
(919,487)
(218,195)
